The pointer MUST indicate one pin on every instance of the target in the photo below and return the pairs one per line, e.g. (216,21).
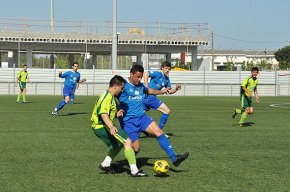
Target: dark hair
(75,63)
(25,65)
(255,69)
(165,64)
(117,80)
(137,68)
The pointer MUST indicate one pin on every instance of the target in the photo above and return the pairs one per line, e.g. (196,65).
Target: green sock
(130,155)
(19,95)
(239,111)
(24,100)
(243,118)
(114,152)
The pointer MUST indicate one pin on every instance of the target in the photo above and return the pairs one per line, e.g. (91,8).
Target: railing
(188,89)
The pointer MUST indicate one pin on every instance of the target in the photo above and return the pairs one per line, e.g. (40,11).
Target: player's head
(75,66)
(166,67)
(117,83)
(136,74)
(25,67)
(255,72)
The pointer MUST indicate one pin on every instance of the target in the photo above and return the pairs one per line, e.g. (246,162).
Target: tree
(283,57)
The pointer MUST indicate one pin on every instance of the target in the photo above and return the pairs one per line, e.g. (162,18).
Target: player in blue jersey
(135,120)
(158,81)
(71,79)
(72,98)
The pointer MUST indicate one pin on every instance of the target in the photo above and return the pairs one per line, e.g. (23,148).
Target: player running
(21,79)
(103,115)
(248,87)
(71,79)
(135,120)
(158,81)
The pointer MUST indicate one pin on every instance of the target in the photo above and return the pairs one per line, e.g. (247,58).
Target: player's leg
(66,94)
(129,153)
(72,98)
(20,92)
(114,148)
(24,95)
(238,110)
(151,127)
(165,114)
(247,104)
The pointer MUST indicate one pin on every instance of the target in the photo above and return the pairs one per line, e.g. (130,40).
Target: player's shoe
(18,102)
(241,125)
(167,136)
(71,102)
(54,113)
(108,170)
(139,174)
(179,159)
(234,113)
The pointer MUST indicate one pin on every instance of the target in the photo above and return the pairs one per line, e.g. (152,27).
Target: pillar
(29,57)
(94,59)
(168,57)
(10,59)
(51,61)
(139,59)
(194,65)
(15,59)
(70,60)
(0,59)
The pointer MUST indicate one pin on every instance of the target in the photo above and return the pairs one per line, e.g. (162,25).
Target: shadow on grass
(69,114)
(246,124)
(142,136)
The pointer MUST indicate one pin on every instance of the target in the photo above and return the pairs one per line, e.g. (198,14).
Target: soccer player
(248,87)
(71,79)
(103,115)
(135,120)
(158,81)
(21,79)
(72,98)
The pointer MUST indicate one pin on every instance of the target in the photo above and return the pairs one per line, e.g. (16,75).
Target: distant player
(103,116)
(248,87)
(135,120)
(21,79)
(158,81)
(71,79)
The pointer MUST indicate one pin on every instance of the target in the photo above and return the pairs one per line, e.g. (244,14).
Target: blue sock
(72,97)
(163,120)
(61,105)
(166,146)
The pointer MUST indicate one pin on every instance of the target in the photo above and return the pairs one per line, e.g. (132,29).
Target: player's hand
(165,90)
(178,87)
(84,80)
(257,99)
(120,113)
(113,130)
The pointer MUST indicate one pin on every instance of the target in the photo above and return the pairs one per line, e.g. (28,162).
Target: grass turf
(39,152)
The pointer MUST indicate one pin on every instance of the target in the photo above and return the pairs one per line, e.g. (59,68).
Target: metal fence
(194,83)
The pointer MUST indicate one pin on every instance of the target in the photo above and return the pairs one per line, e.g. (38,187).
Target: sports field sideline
(39,152)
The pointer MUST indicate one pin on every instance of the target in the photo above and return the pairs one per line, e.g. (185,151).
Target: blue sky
(237,24)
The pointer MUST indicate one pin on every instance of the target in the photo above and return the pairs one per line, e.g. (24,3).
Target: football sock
(18,97)
(163,120)
(61,105)
(166,146)
(114,152)
(72,97)
(23,97)
(239,111)
(130,155)
(107,161)
(243,118)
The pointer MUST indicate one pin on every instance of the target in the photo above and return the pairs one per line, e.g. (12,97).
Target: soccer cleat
(139,174)
(234,113)
(241,125)
(18,102)
(107,170)
(179,159)
(167,136)
(54,113)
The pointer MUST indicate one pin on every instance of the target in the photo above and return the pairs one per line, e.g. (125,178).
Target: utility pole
(52,15)
(212,52)
(114,36)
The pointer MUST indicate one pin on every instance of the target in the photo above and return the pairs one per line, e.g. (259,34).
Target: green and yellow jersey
(250,84)
(106,104)
(22,76)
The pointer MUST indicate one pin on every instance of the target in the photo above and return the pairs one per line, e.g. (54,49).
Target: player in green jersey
(248,87)
(104,113)
(21,79)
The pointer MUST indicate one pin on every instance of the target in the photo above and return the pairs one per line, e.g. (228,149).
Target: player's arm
(18,78)
(249,94)
(157,92)
(60,74)
(146,78)
(28,79)
(106,119)
(81,81)
(256,94)
(177,88)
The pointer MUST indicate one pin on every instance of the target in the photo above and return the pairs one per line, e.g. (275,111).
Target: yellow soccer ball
(161,167)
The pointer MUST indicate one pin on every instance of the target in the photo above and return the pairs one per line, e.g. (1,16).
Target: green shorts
(22,85)
(246,101)
(108,139)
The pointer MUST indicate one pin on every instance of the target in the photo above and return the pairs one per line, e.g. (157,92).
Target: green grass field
(39,152)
